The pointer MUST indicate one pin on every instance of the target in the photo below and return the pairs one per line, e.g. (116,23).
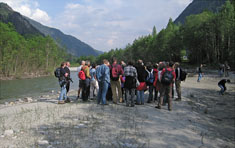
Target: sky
(103,24)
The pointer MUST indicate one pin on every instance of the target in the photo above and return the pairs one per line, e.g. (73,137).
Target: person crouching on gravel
(221,84)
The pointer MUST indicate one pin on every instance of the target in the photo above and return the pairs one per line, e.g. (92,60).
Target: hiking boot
(67,100)
(132,105)
(148,101)
(77,98)
(178,99)
(158,107)
(61,102)
(169,109)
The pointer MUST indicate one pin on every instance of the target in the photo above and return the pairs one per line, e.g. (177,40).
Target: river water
(11,90)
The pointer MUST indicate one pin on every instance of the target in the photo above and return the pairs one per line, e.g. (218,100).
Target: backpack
(167,77)
(82,75)
(150,77)
(57,72)
(114,74)
(183,75)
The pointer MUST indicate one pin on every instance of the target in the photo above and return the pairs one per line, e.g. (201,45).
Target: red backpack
(82,75)
(114,74)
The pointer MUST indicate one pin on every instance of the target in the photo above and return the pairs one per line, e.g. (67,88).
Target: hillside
(26,26)
(21,24)
(74,45)
(198,6)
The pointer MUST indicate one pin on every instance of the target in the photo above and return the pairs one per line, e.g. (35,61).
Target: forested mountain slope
(198,6)
(74,45)
(26,26)
(21,24)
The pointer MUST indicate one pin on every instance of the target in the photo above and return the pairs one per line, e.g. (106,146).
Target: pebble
(52,91)
(20,100)
(28,99)
(43,142)
(80,126)
(8,132)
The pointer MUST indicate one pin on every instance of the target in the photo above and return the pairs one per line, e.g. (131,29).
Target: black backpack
(183,75)
(167,77)
(57,72)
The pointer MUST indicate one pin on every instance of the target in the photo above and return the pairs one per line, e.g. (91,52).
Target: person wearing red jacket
(167,88)
(155,73)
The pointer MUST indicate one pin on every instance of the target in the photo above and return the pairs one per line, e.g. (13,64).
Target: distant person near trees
(227,69)
(130,74)
(80,81)
(103,78)
(222,86)
(199,73)
(115,72)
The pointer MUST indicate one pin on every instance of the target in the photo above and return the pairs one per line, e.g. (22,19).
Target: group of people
(129,80)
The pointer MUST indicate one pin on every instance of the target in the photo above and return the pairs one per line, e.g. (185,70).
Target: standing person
(149,81)
(86,85)
(178,73)
(199,73)
(66,68)
(167,78)
(62,82)
(122,78)
(222,86)
(103,78)
(93,87)
(130,74)
(155,73)
(227,69)
(221,69)
(142,75)
(115,72)
(80,81)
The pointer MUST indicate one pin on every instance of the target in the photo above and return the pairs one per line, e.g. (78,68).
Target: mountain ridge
(27,26)
(198,6)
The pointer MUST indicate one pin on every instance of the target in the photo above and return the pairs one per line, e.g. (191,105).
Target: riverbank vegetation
(22,56)
(204,38)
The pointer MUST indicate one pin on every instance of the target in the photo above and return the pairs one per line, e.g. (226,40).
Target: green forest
(204,38)
(31,55)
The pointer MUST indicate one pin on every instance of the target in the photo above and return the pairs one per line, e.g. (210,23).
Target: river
(11,90)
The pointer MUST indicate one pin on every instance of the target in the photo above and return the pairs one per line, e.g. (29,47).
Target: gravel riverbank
(202,119)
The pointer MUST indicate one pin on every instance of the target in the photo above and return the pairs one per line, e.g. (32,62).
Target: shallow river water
(13,89)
